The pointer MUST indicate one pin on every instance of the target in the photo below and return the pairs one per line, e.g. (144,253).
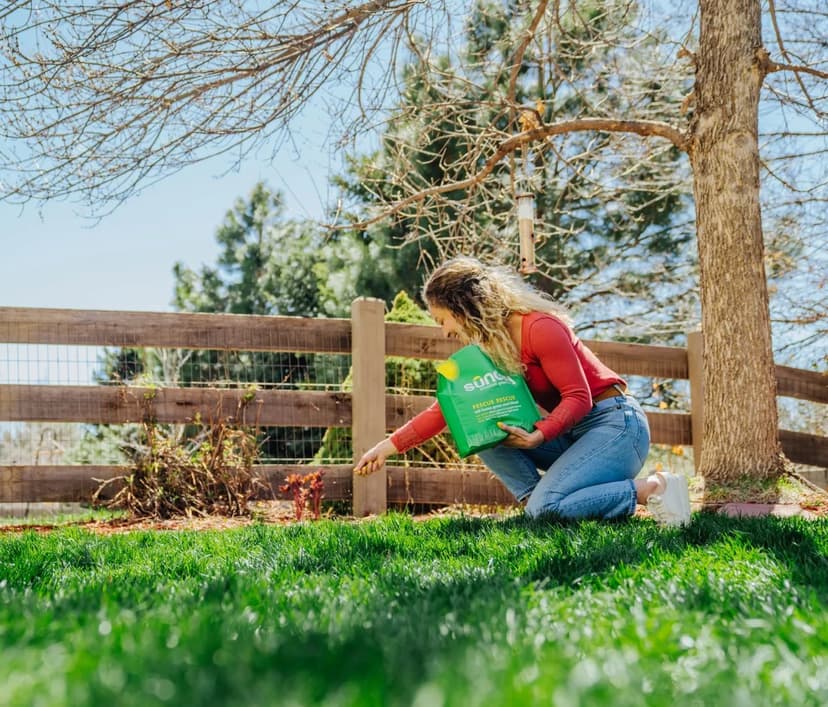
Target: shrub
(210,472)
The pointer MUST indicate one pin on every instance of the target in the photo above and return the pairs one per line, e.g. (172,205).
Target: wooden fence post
(695,371)
(368,399)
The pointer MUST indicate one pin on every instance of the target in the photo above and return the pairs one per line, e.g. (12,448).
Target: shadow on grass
(417,618)
(351,613)
(594,548)
(798,544)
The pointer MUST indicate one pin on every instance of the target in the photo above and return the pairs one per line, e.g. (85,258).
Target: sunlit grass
(61,516)
(453,611)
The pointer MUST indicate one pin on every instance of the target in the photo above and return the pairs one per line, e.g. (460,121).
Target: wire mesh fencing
(76,388)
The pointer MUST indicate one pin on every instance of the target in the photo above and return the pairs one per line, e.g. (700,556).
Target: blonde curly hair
(482,298)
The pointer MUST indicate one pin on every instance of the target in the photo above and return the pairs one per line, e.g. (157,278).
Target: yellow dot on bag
(449,369)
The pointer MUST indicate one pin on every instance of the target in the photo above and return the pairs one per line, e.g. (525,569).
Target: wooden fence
(369,411)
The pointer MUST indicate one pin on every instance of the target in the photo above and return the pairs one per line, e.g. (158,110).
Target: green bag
(474,395)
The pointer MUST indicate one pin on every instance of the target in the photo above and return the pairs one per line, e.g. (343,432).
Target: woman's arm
(416,431)
(375,457)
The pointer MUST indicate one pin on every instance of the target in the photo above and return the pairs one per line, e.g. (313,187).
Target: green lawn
(452,611)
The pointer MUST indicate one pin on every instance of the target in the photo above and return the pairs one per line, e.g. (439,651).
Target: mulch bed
(273,512)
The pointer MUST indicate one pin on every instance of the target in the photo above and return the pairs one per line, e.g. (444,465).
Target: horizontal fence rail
(174,330)
(113,405)
(122,404)
(406,484)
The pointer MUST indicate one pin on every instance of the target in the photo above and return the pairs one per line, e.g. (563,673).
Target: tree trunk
(741,420)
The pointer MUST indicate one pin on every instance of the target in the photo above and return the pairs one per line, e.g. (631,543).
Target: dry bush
(210,473)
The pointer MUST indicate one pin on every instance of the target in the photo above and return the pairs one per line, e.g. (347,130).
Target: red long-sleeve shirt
(563,375)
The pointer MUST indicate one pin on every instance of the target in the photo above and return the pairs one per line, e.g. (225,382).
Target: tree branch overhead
(643,128)
(97,98)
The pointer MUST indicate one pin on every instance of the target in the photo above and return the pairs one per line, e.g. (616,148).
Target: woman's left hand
(520,438)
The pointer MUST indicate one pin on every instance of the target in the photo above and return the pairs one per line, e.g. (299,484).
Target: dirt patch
(272,512)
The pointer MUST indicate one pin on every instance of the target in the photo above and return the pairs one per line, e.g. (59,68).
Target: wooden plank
(804,448)
(29,484)
(443,486)
(802,384)
(476,486)
(422,341)
(670,428)
(665,427)
(123,404)
(269,408)
(418,341)
(244,332)
(77,483)
(368,400)
(399,409)
(337,479)
(239,332)
(642,360)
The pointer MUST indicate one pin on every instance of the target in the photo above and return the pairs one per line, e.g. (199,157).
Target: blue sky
(53,256)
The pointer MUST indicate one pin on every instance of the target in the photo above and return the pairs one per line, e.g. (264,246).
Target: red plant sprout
(302,488)
(295,486)
(316,486)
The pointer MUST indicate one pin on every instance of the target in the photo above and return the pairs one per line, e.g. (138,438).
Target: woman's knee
(540,503)
(514,469)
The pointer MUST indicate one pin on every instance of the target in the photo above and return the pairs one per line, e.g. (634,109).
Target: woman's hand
(375,457)
(520,438)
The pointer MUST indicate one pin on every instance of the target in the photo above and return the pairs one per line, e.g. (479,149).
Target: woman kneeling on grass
(593,441)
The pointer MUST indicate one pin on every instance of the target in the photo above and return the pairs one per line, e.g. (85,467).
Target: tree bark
(741,420)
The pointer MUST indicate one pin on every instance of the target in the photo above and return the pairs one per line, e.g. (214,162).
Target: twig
(644,128)
(771,66)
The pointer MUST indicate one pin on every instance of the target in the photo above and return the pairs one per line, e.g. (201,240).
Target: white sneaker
(672,507)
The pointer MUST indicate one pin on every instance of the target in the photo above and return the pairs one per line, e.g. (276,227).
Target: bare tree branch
(773,66)
(639,127)
(796,69)
(517,59)
(97,99)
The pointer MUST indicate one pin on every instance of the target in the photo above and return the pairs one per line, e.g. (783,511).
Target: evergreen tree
(614,253)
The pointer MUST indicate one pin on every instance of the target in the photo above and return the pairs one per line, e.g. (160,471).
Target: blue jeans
(589,469)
